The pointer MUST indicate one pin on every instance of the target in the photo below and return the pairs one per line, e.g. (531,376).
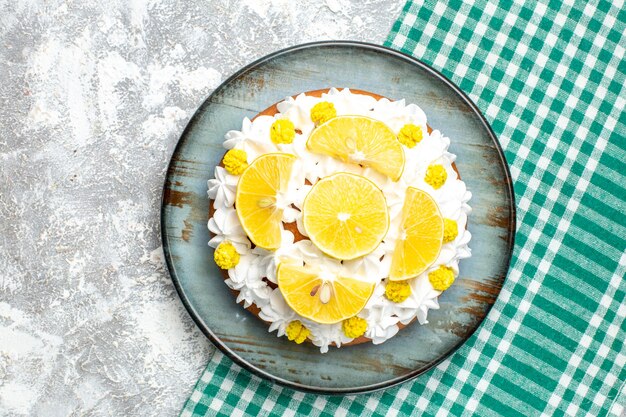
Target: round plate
(245,338)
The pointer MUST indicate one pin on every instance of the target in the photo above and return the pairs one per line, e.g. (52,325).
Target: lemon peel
(236,161)
(354,327)
(436,176)
(282,131)
(397,291)
(226,255)
(297,332)
(450,230)
(323,112)
(441,278)
(410,135)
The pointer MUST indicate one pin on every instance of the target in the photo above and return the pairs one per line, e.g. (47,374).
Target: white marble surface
(93,96)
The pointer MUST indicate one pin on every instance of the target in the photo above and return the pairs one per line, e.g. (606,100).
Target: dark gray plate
(243,337)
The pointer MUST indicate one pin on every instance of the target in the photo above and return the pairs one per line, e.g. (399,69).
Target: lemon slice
(345,215)
(360,140)
(258,198)
(421,236)
(323,298)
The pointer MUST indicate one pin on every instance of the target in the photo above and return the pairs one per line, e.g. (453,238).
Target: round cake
(338,217)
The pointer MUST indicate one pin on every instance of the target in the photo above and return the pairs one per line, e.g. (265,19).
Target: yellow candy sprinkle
(226,255)
(235,161)
(441,278)
(436,176)
(354,327)
(282,131)
(410,135)
(323,112)
(397,291)
(450,230)
(297,332)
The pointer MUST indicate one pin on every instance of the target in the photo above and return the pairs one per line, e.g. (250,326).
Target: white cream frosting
(381,314)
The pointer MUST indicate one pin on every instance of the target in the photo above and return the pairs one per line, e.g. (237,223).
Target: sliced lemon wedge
(345,215)
(421,236)
(360,140)
(258,198)
(322,297)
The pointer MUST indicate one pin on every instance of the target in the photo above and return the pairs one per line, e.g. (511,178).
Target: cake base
(271,111)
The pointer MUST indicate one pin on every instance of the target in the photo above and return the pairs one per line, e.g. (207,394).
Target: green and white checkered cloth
(549,77)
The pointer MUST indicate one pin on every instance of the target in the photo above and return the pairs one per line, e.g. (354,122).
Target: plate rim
(215,340)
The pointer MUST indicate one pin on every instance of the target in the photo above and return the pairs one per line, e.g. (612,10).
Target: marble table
(93,96)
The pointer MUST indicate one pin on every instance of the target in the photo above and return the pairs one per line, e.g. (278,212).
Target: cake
(338,217)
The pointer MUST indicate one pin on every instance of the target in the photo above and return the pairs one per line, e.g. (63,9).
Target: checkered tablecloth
(549,76)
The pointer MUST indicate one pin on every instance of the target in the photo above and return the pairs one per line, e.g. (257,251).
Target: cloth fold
(549,77)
